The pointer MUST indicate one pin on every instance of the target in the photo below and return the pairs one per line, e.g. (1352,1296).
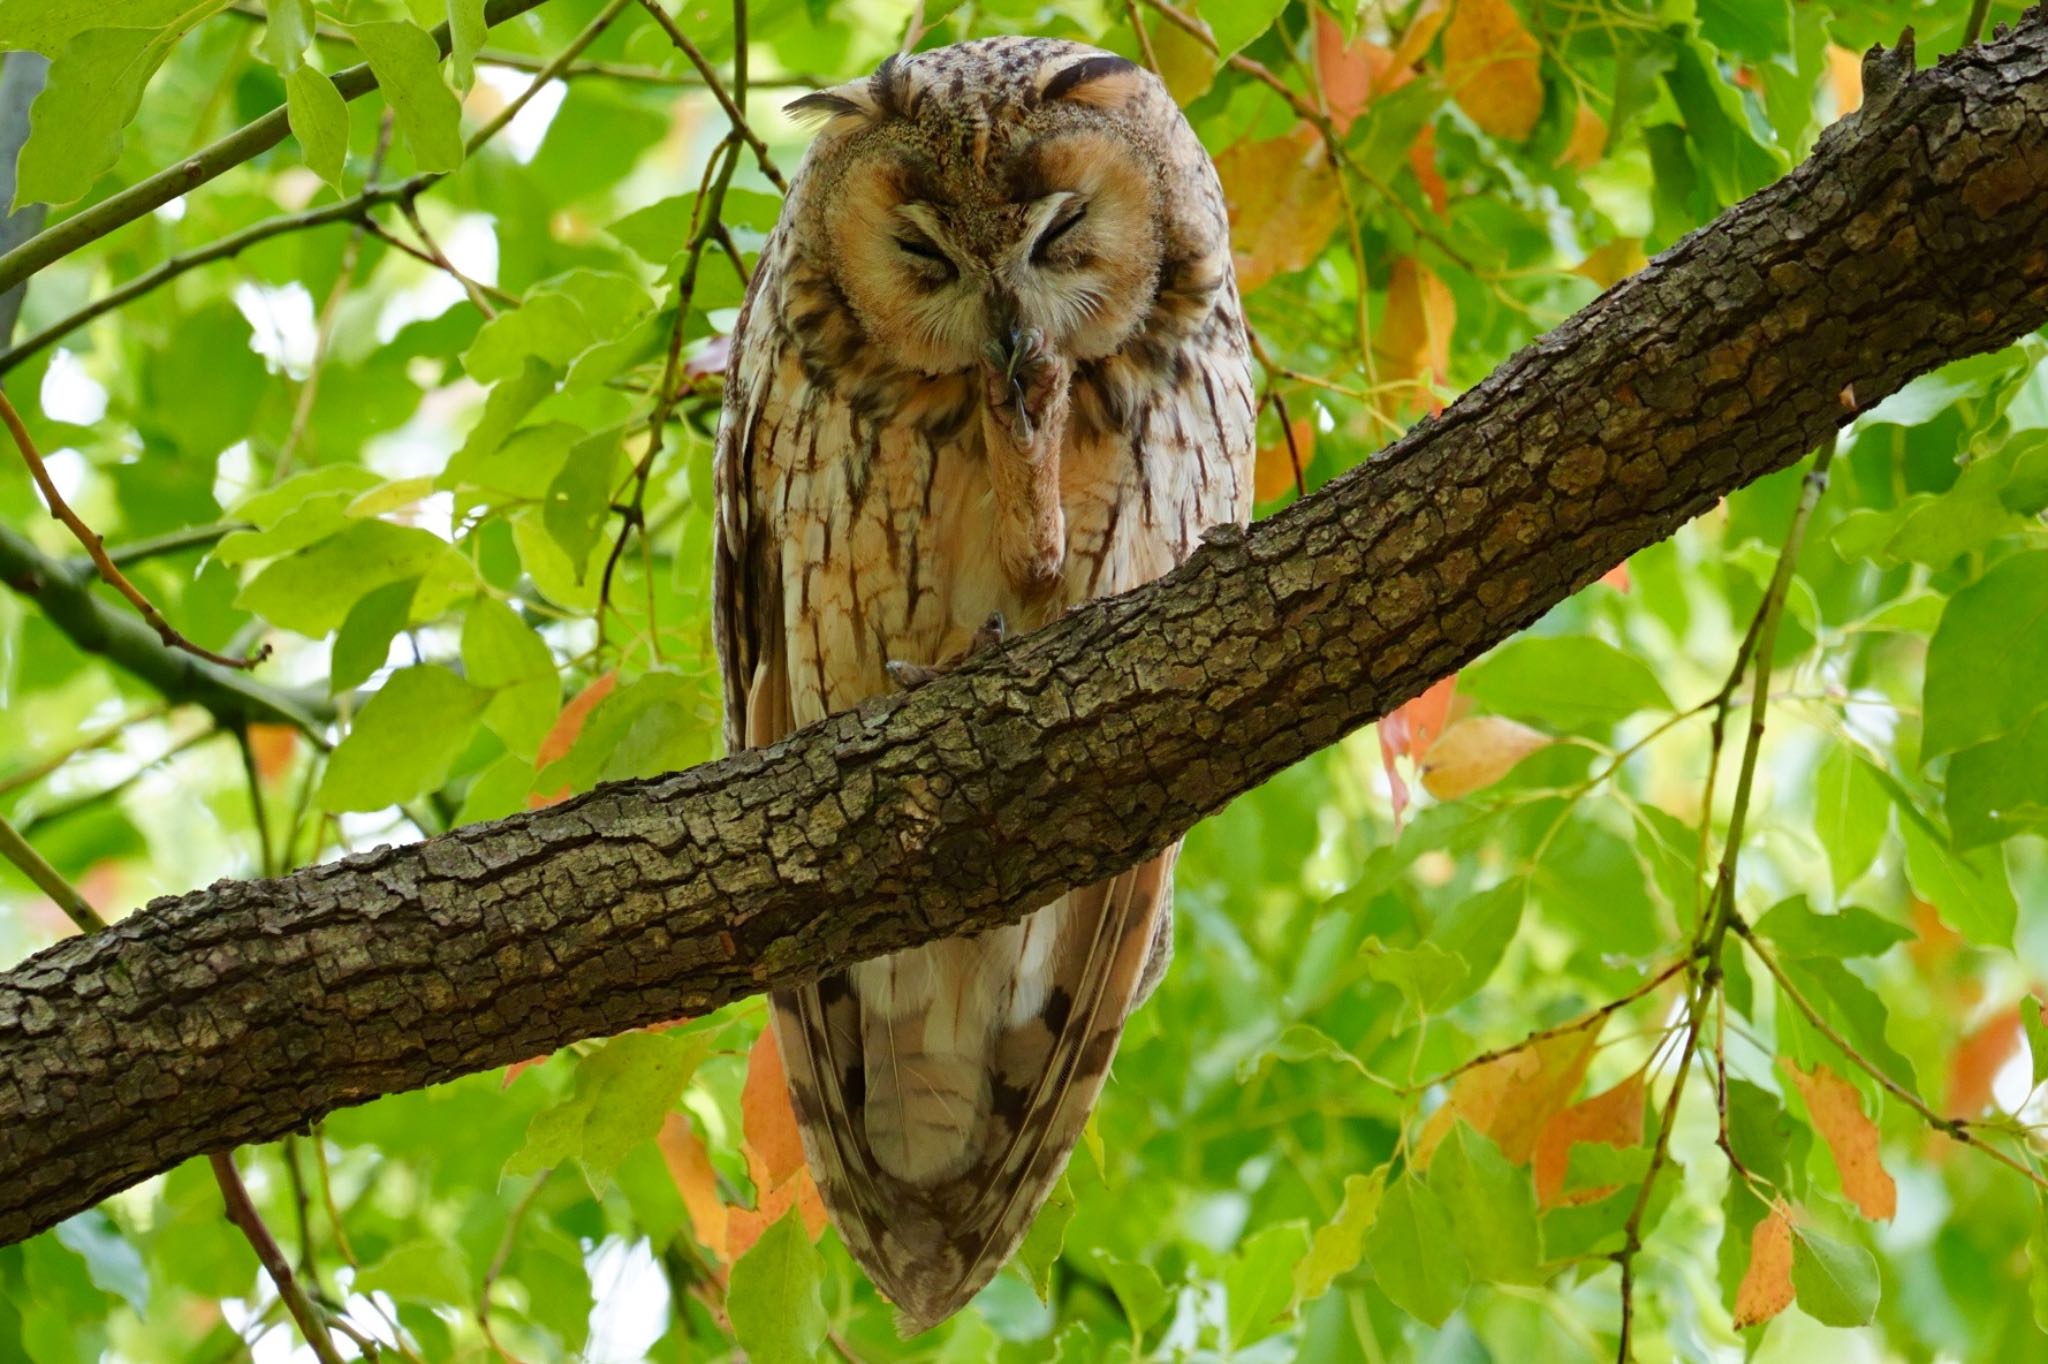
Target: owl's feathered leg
(911,676)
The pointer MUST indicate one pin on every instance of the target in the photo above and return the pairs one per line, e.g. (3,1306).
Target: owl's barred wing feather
(861,491)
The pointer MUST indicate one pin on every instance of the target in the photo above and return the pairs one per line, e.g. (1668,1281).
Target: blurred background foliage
(439,435)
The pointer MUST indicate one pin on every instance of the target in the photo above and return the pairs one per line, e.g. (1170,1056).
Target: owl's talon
(909,676)
(991,633)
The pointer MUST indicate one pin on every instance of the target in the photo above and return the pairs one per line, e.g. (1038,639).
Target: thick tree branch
(1918,234)
(245,143)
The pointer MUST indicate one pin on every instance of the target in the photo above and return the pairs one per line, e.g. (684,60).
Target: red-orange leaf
(568,727)
(1415,330)
(689,1165)
(1490,64)
(1767,1285)
(1275,472)
(1837,1114)
(774,1150)
(1284,203)
(1614,1117)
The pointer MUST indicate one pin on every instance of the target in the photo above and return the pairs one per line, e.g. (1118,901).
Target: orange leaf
(689,1165)
(1349,75)
(1415,330)
(1978,1059)
(273,747)
(567,728)
(1422,30)
(1422,160)
(1767,1285)
(1845,79)
(1837,1114)
(1512,1098)
(1276,470)
(1614,1117)
(1408,730)
(1490,65)
(1588,140)
(1284,203)
(1616,577)
(774,1149)
(1612,262)
(519,1068)
(745,1225)
(1477,752)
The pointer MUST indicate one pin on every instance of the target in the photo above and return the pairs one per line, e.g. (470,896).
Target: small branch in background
(506,1245)
(1980,10)
(35,772)
(733,111)
(96,548)
(242,1212)
(1144,38)
(258,812)
(171,542)
(475,293)
(76,907)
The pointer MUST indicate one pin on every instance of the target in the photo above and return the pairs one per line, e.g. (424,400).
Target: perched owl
(992,364)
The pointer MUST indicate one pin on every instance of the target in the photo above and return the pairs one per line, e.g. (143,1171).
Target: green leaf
(1137,1288)
(1836,1283)
(1850,814)
(1998,789)
(1760,30)
(2037,1037)
(312,590)
(1258,1280)
(1047,1238)
(407,64)
(2037,1263)
(288,30)
(1425,973)
(1760,1130)
(1477,931)
(499,790)
(1850,1006)
(507,406)
(623,1091)
(1414,1255)
(557,321)
(1236,23)
(1338,1247)
(319,118)
(1298,1042)
(661,231)
(271,506)
(501,652)
(92,92)
(426,1271)
(1970,890)
(363,644)
(111,1260)
(778,1313)
(1851,932)
(466,30)
(1569,682)
(1988,656)
(45,26)
(404,742)
(1491,1205)
(579,498)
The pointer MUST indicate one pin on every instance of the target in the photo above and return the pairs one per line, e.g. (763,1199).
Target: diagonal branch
(1915,236)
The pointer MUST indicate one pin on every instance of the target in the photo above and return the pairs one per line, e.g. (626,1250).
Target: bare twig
(96,548)
(1144,38)
(733,111)
(474,291)
(506,1244)
(76,907)
(242,1212)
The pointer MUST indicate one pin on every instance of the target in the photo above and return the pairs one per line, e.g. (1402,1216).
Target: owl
(992,364)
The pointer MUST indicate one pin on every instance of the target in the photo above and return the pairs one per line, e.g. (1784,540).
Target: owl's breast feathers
(870,513)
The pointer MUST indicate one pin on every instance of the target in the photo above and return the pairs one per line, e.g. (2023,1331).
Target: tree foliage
(1670,971)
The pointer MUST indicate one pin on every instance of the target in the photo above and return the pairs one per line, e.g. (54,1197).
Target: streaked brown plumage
(992,360)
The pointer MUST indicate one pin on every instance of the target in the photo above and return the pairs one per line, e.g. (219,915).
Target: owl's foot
(1022,383)
(911,676)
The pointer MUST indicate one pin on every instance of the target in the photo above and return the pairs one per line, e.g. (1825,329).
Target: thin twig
(733,111)
(48,880)
(30,775)
(410,208)
(1144,38)
(506,1244)
(259,814)
(242,1212)
(96,548)
(1980,10)
(174,542)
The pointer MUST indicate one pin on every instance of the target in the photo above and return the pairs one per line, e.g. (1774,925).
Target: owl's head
(963,197)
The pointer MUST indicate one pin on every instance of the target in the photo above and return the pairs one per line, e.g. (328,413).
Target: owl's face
(975,196)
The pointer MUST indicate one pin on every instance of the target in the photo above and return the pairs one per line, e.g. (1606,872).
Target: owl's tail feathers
(933,1177)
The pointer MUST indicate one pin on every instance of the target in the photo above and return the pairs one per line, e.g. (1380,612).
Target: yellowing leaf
(1349,73)
(1477,752)
(1614,1116)
(1490,65)
(1279,465)
(1588,140)
(273,747)
(1284,203)
(1837,1115)
(689,1165)
(1766,1288)
(1415,331)
(1422,30)
(1513,1097)
(1611,262)
(774,1149)
(1845,79)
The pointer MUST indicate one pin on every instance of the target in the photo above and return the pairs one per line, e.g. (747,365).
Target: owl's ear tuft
(892,89)
(824,106)
(1104,82)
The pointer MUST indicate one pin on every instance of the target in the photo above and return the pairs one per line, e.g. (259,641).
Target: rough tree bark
(1917,234)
